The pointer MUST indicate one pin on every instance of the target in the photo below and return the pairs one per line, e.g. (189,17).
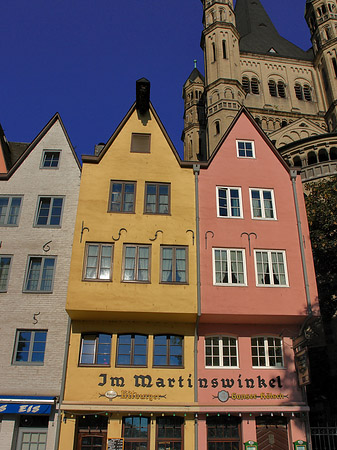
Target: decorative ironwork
(119,234)
(46,246)
(156,235)
(191,231)
(83,229)
(249,235)
(210,232)
(35,321)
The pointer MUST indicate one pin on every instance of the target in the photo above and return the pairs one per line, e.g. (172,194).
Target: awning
(22,404)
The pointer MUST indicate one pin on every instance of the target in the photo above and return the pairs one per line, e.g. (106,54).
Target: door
(272,433)
(32,439)
(91,441)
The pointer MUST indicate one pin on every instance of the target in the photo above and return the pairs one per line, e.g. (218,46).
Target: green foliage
(321,203)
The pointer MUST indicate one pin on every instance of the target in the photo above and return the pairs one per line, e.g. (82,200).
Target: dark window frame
(136,266)
(227,425)
(168,350)
(170,437)
(123,193)
(135,437)
(174,264)
(98,266)
(96,354)
(157,194)
(146,138)
(133,344)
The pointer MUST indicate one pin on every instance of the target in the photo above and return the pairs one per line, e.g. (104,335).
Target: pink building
(257,290)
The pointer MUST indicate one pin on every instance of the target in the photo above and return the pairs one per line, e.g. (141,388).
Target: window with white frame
(267,351)
(50,159)
(30,346)
(98,261)
(229,266)
(271,268)
(40,274)
(9,210)
(49,212)
(245,149)
(262,203)
(221,351)
(136,263)
(5,263)
(229,202)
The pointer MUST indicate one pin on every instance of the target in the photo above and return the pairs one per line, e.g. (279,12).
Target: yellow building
(132,295)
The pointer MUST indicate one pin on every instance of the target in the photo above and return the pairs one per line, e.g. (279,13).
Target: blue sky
(81,58)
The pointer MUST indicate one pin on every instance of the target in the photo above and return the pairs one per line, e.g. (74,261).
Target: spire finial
(195,63)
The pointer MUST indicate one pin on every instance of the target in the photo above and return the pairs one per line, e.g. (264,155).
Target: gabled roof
(259,35)
(244,111)
(22,151)
(95,159)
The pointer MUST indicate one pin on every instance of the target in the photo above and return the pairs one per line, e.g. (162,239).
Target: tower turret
(321,16)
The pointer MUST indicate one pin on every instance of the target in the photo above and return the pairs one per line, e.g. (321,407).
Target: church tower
(321,16)
(224,93)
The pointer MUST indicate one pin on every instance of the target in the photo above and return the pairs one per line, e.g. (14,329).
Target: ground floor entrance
(272,433)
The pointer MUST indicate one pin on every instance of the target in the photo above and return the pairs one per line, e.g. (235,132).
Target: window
(9,210)
(254,83)
(303,93)
(217,127)
(98,263)
(272,88)
(250,86)
(277,90)
(224,50)
(213,52)
(334,64)
(173,265)
(40,274)
(132,350)
(267,352)
(229,202)
(136,263)
(168,350)
(30,347)
(5,263)
(50,159)
(262,203)
(245,84)
(298,91)
(228,267)
(245,149)
(307,93)
(221,351)
(223,433)
(95,349)
(122,196)
(281,89)
(157,198)
(140,143)
(270,268)
(49,212)
(170,433)
(136,430)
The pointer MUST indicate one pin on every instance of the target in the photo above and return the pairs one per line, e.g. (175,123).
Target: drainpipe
(63,382)
(293,175)
(196,170)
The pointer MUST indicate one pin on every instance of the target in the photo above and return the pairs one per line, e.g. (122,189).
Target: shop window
(271,268)
(223,433)
(229,267)
(132,350)
(170,433)
(40,274)
(122,196)
(98,262)
(5,264)
(168,350)
(50,159)
(30,346)
(262,204)
(245,149)
(173,264)
(136,263)
(95,349)
(157,198)
(267,352)
(49,212)
(229,202)
(136,431)
(9,210)
(221,351)
(92,432)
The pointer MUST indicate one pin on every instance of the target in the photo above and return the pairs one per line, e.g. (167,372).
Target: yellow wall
(109,300)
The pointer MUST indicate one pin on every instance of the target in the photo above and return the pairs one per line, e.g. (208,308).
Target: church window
(327,33)
(284,123)
(224,51)
(325,80)
(272,88)
(323,9)
(217,127)
(281,89)
(333,153)
(254,86)
(312,158)
(307,93)
(334,63)
(297,161)
(213,52)
(298,91)
(323,155)
(245,84)
(319,11)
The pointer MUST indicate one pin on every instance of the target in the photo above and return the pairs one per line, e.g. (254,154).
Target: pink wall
(252,303)
(3,168)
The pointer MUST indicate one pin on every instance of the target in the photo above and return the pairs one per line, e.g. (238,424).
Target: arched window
(281,89)
(333,154)
(245,84)
(334,64)
(258,121)
(298,91)
(323,155)
(327,33)
(307,93)
(284,123)
(213,52)
(297,161)
(272,88)
(224,51)
(217,127)
(312,158)
(255,86)
(323,9)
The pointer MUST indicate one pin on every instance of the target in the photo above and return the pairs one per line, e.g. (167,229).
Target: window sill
(136,281)
(95,280)
(120,212)
(222,367)
(47,226)
(230,284)
(167,367)
(175,283)
(17,363)
(94,365)
(273,285)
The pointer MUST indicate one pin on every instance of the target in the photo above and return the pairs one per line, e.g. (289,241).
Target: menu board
(115,444)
